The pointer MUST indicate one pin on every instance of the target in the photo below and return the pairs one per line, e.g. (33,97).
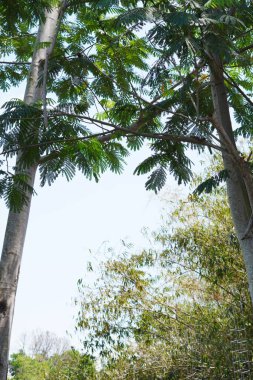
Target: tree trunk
(239,183)
(17,222)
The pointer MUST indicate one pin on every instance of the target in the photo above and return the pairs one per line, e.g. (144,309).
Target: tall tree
(200,52)
(203,71)
(46,136)
(17,221)
(87,61)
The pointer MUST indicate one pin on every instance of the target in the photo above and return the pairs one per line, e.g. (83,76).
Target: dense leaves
(126,68)
(93,68)
(70,365)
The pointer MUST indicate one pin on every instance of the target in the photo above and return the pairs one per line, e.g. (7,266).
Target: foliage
(184,36)
(85,76)
(70,365)
(110,77)
(23,367)
(168,311)
(211,183)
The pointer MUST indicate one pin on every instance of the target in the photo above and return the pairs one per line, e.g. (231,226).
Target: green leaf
(212,183)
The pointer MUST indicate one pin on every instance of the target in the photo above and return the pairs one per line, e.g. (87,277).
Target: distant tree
(23,367)
(46,344)
(96,53)
(70,365)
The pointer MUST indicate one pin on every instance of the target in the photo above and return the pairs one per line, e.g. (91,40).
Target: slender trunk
(17,222)
(239,183)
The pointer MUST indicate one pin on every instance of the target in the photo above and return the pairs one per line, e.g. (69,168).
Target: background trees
(43,343)
(70,364)
(44,355)
(176,309)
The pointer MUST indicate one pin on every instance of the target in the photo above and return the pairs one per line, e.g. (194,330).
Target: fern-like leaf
(212,183)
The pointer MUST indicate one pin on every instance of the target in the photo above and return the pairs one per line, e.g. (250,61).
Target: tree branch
(44,91)
(14,63)
(245,48)
(234,84)
(249,230)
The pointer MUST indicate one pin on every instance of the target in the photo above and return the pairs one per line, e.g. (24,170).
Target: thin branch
(245,48)
(131,131)
(14,63)
(199,65)
(108,135)
(48,157)
(49,142)
(230,147)
(78,116)
(24,35)
(249,230)
(215,138)
(234,84)
(180,138)
(44,91)
(249,156)
(175,138)
(242,34)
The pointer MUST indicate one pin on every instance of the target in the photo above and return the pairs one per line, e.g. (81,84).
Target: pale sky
(68,219)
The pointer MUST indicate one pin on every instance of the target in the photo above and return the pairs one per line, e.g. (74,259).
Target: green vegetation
(103,77)
(69,365)
(102,59)
(173,311)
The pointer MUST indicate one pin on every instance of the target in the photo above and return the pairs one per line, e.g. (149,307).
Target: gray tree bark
(17,222)
(239,183)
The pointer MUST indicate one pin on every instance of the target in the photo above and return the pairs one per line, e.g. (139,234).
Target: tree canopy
(135,69)
(70,365)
